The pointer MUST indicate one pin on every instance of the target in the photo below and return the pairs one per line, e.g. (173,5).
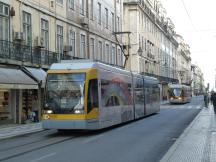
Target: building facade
(34,34)
(153,48)
(197,85)
(184,62)
(91,30)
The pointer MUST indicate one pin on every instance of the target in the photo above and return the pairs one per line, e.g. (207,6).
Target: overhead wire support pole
(128,46)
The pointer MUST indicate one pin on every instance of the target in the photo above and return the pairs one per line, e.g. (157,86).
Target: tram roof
(177,85)
(84,64)
(88,64)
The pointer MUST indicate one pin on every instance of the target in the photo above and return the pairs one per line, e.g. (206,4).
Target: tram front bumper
(71,124)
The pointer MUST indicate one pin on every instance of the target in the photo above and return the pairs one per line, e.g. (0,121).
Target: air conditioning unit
(68,48)
(83,21)
(19,36)
(39,42)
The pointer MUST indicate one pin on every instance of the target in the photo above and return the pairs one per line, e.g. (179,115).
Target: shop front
(35,96)
(5,105)
(16,89)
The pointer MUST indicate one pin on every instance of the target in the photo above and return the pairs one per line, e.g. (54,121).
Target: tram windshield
(65,93)
(177,92)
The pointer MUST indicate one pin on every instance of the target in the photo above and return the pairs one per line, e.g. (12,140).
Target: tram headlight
(179,98)
(48,111)
(171,98)
(78,111)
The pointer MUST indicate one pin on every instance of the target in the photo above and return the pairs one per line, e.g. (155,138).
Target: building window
(92,48)
(113,22)
(145,45)
(60,1)
(118,24)
(92,10)
(72,42)
(27,28)
(107,53)
(99,13)
(107,18)
(59,39)
(71,4)
(82,7)
(113,55)
(82,46)
(4,22)
(100,50)
(45,33)
(119,57)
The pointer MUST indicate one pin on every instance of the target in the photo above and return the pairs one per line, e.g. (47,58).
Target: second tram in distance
(91,95)
(179,93)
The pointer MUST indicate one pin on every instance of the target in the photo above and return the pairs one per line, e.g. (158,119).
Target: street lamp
(140,51)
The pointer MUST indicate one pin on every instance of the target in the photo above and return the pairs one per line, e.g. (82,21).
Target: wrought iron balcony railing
(35,56)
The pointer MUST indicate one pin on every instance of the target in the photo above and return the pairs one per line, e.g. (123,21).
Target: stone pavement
(198,142)
(13,130)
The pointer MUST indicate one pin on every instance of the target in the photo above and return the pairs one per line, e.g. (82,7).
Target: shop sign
(18,86)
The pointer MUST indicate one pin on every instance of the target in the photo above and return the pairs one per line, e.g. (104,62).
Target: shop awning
(13,78)
(38,73)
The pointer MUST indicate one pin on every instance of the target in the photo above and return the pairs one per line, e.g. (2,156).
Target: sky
(195,20)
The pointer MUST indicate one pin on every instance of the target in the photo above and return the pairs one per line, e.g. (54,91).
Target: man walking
(206,99)
(213,100)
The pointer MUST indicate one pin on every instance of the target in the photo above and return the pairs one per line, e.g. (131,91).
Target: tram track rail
(25,136)
(15,151)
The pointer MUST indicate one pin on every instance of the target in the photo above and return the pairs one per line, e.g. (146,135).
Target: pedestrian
(213,99)
(35,108)
(206,99)
(211,96)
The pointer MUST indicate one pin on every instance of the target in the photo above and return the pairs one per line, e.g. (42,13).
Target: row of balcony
(19,54)
(23,54)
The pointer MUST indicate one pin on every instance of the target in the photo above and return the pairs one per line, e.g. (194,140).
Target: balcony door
(4,22)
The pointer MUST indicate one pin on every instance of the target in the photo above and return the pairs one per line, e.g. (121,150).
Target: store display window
(4,105)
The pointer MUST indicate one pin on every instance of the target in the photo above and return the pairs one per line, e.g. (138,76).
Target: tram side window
(155,92)
(139,94)
(148,95)
(93,94)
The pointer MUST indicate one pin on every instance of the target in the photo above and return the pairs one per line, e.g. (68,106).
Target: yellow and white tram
(83,94)
(179,93)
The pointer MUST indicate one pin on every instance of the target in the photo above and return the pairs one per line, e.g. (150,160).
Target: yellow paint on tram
(93,114)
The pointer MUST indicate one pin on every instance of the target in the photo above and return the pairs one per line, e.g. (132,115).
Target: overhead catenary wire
(189,17)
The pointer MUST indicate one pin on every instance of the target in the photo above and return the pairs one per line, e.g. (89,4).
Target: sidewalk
(198,142)
(13,130)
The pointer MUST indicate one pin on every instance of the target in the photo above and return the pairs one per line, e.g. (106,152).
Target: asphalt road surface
(144,140)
